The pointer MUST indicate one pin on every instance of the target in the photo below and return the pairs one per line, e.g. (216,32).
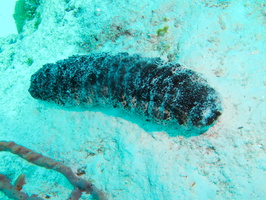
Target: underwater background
(225,41)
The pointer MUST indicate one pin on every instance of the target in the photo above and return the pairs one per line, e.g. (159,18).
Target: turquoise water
(120,153)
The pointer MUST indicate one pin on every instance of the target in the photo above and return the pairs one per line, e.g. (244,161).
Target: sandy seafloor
(223,40)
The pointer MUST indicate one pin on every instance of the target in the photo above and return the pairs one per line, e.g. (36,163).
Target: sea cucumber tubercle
(160,90)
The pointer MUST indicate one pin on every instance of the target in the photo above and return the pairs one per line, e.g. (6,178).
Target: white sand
(224,41)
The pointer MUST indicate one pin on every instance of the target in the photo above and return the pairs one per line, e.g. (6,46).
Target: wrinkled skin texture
(149,86)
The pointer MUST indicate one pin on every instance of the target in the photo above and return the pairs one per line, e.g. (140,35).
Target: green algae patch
(26,10)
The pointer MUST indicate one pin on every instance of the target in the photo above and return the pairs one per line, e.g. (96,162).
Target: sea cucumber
(163,91)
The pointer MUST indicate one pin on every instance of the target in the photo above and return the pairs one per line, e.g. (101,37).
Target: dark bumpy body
(162,91)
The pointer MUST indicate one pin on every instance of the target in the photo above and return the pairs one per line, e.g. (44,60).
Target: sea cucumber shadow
(147,124)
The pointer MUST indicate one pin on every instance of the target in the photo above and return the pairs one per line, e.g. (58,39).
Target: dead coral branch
(80,185)
(13,192)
